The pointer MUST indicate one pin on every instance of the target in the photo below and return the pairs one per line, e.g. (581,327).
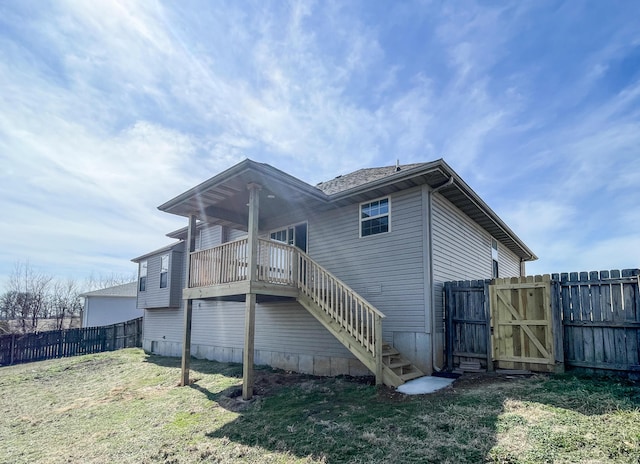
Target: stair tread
(398,364)
(411,375)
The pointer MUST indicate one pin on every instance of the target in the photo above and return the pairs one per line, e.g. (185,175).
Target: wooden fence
(468,321)
(22,348)
(599,314)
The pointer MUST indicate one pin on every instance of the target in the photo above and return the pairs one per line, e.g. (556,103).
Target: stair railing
(343,305)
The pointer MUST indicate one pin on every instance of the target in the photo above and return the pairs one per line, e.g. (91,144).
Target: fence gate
(522,324)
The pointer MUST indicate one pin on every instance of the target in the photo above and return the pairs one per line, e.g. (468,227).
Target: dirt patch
(478,379)
(268,382)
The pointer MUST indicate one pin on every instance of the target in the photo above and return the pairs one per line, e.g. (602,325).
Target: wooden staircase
(397,369)
(352,320)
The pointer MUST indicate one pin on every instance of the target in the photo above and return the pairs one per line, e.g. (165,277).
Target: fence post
(448,311)
(556,317)
(115,333)
(60,339)
(13,347)
(487,315)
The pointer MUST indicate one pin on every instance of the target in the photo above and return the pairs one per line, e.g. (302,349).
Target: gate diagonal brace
(514,312)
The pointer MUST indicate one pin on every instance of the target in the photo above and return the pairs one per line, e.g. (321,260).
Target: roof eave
(238,169)
(446,170)
(473,196)
(159,250)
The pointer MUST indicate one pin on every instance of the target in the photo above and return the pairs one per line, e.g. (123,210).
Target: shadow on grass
(343,420)
(202,366)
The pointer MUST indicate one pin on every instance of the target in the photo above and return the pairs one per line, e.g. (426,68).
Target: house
(110,305)
(344,277)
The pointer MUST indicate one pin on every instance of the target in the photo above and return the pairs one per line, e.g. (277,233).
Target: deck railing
(223,264)
(276,262)
(227,263)
(343,305)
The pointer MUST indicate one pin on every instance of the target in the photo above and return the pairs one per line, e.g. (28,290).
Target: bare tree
(94,282)
(31,296)
(29,291)
(65,301)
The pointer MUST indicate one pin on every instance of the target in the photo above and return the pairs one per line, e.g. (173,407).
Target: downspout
(433,297)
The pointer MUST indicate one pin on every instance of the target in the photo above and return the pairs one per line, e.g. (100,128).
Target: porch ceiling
(224,198)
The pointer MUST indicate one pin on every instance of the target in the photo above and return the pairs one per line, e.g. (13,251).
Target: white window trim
(140,276)
(360,219)
(287,227)
(168,255)
(495,257)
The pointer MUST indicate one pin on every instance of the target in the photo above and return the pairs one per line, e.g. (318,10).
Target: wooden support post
(248,354)
(250,307)
(378,341)
(188,304)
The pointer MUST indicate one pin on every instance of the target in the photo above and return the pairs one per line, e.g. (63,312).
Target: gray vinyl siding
(234,234)
(461,248)
(508,262)
(170,296)
(176,277)
(387,269)
(280,327)
(164,324)
(209,237)
(462,251)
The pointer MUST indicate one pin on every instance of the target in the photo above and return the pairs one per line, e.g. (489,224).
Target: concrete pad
(423,385)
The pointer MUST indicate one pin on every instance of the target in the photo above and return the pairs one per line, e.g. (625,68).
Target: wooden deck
(283,271)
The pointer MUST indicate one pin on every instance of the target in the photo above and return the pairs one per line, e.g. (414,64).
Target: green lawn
(125,407)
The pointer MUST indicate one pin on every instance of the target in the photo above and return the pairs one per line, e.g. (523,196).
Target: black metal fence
(38,346)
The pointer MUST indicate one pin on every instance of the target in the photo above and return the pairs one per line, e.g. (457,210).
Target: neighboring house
(347,274)
(110,305)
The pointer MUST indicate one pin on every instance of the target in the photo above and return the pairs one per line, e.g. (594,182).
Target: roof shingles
(361,177)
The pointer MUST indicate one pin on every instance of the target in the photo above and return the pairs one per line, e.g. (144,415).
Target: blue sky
(110,108)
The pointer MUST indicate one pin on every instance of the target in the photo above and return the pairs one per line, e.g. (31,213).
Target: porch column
(188,304)
(250,305)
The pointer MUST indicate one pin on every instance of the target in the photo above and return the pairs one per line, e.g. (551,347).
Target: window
(164,271)
(374,217)
(142,286)
(293,235)
(494,258)
(284,235)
